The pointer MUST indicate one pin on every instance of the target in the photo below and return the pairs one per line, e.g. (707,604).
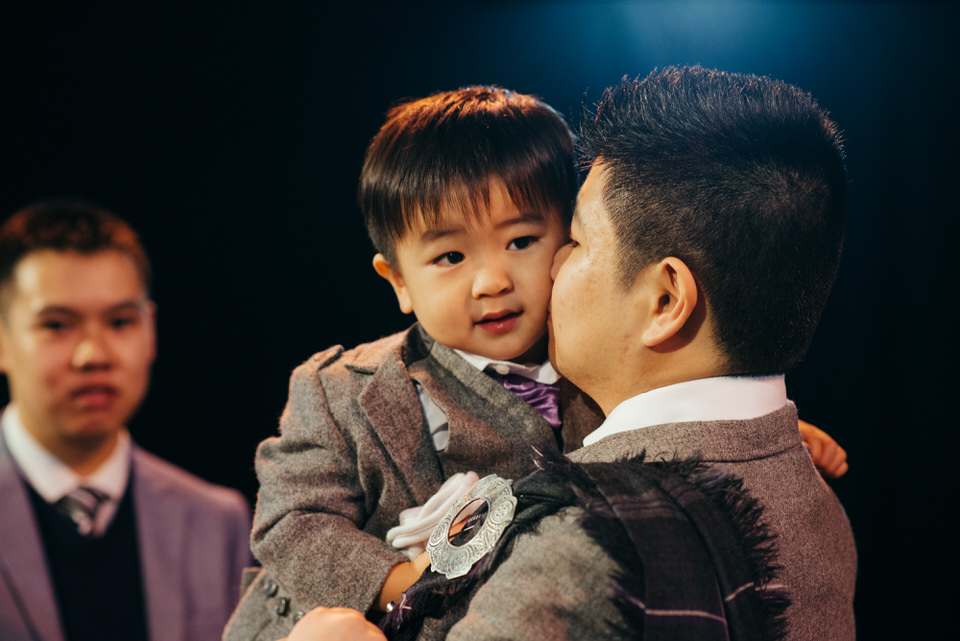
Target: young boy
(467,196)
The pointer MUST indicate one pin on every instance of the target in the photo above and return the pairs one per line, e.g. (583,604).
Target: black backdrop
(231,137)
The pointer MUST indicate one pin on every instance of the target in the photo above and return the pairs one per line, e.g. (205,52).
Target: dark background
(231,137)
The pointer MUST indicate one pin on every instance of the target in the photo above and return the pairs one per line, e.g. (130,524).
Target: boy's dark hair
(740,177)
(441,151)
(65,225)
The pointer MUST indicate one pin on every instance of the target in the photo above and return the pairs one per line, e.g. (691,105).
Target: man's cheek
(551,344)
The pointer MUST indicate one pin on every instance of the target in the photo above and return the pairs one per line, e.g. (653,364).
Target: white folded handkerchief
(417,523)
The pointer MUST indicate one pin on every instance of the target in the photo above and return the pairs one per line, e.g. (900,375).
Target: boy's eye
(522,243)
(450,258)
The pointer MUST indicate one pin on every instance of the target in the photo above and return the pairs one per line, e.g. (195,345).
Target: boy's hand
(830,458)
(400,578)
(329,624)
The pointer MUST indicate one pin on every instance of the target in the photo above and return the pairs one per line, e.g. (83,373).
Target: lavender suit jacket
(193,543)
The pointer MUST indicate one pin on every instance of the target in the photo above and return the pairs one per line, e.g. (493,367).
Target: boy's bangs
(470,201)
(438,155)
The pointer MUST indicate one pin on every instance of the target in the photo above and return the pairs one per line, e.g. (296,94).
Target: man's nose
(492,279)
(559,259)
(91,351)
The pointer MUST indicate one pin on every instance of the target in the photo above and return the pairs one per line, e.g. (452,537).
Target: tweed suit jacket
(193,546)
(354,451)
(556,582)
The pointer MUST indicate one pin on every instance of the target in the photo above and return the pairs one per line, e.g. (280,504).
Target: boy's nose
(559,259)
(491,280)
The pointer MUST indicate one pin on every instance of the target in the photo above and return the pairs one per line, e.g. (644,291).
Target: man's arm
(551,587)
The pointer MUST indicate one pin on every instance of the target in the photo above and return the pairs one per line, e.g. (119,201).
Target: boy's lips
(499,322)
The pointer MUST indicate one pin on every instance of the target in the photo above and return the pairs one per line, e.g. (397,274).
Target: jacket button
(271,588)
(283,606)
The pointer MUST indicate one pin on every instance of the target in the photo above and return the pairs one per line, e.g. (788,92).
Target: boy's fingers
(838,464)
(834,462)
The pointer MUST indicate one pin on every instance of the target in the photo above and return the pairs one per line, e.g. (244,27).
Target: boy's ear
(673,301)
(395,278)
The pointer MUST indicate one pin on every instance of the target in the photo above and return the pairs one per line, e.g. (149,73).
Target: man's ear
(3,351)
(674,298)
(395,278)
(150,311)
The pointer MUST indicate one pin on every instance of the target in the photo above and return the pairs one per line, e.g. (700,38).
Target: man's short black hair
(442,151)
(65,225)
(742,178)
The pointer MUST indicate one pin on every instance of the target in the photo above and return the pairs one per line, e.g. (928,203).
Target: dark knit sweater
(96,581)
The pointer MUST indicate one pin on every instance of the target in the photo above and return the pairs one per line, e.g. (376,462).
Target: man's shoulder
(728,441)
(159,477)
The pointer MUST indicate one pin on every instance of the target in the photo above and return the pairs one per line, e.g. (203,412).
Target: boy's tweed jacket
(354,451)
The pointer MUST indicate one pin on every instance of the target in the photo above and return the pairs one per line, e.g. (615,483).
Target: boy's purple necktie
(544,397)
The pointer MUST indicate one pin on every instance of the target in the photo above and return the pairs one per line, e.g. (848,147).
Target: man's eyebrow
(128,305)
(123,306)
(57,309)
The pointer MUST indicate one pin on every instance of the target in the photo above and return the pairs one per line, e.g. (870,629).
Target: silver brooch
(485,511)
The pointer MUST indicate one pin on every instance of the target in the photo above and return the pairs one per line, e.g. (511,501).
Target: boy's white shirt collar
(721,398)
(542,373)
(50,477)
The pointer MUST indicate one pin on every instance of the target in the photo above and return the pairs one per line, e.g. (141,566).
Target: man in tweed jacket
(705,241)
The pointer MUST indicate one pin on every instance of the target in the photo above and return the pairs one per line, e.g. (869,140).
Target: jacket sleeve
(552,586)
(314,500)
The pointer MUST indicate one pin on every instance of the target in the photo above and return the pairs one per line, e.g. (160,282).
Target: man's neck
(50,476)
(707,399)
(658,371)
(86,458)
(82,454)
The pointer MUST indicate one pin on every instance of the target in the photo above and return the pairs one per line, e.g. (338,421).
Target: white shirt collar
(722,398)
(50,477)
(542,373)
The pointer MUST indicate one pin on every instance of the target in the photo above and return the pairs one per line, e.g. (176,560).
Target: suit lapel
(490,427)
(23,563)
(161,535)
(393,409)
(580,414)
